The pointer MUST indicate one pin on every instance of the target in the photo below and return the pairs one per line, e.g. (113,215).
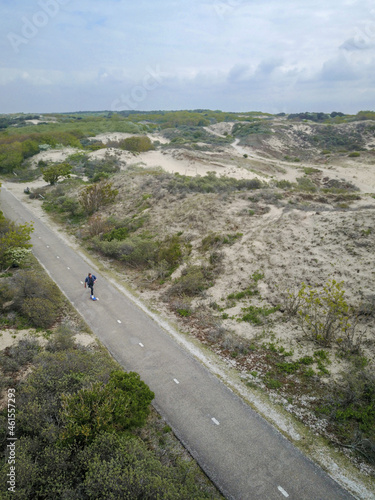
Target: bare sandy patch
(11,336)
(85,340)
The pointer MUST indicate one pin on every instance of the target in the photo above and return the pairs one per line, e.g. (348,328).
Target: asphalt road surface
(244,456)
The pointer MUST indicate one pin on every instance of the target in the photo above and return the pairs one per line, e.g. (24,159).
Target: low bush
(136,144)
(12,236)
(96,196)
(216,240)
(351,410)
(95,169)
(306,184)
(18,356)
(121,404)
(142,250)
(135,251)
(41,312)
(62,340)
(256,315)
(36,297)
(211,184)
(325,316)
(97,226)
(283,184)
(123,228)
(192,282)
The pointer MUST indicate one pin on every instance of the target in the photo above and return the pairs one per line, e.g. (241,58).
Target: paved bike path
(244,455)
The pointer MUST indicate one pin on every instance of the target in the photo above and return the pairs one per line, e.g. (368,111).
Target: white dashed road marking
(119,322)
(215,421)
(176,381)
(57,257)
(141,344)
(286,495)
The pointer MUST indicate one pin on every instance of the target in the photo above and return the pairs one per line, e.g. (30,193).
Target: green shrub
(272,383)
(210,183)
(142,250)
(216,240)
(193,281)
(96,196)
(311,170)
(119,234)
(62,340)
(306,360)
(41,312)
(283,184)
(19,355)
(242,129)
(170,250)
(99,169)
(36,297)
(123,467)
(6,293)
(17,256)
(135,251)
(12,238)
(324,315)
(351,410)
(256,315)
(249,292)
(288,367)
(185,313)
(123,403)
(306,184)
(123,228)
(137,144)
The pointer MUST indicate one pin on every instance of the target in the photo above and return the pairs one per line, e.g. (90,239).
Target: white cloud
(221,53)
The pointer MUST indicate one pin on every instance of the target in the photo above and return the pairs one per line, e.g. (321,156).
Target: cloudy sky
(233,55)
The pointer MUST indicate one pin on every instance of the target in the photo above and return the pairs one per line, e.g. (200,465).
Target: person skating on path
(89,282)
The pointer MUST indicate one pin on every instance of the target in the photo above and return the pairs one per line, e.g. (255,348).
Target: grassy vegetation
(257,127)
(19,144)
(210,183)
(189,136)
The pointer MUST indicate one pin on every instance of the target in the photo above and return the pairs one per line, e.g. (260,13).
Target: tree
(53,173)
(96,195)
(11,157)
